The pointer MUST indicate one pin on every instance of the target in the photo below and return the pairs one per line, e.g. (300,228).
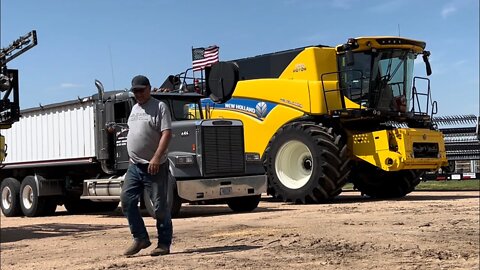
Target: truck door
(121,112)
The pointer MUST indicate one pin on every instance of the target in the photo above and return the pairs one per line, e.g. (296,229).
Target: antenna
(0,24)
(111,65)
(398,29)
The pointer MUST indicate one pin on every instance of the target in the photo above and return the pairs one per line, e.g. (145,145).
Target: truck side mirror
(434,108)
(222,79)
(425,56)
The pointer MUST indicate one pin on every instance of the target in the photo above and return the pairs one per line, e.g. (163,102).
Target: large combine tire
(10,190)
(377,183)
(243,204)
(32,205)
(306,163)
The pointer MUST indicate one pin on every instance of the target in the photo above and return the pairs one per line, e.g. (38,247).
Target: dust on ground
(424,230)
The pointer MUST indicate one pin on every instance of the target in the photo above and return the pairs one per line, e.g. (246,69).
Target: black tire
(174,200)
(104,206)
(176,204)
(244,204)
(10,200)
(50,206)
(32,205)
(75,205)
(377,183)
(315,171)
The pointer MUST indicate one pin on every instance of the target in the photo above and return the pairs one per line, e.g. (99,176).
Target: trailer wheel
(306,163)
(32,205)
(377,183)
(244,204)
(10,189)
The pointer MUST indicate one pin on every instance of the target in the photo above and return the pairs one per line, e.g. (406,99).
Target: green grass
(440,185)
(449,185)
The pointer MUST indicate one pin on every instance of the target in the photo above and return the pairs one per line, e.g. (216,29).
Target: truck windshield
(182,109)
(381,80)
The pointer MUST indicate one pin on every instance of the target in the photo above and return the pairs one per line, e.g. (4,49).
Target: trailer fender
(48,187)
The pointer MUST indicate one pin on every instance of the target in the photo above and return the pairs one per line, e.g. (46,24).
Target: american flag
(204,57)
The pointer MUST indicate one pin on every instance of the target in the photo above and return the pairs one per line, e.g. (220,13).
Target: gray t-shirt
(146,122)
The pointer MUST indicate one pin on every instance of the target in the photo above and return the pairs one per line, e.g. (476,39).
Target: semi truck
(74,153)
(318,117)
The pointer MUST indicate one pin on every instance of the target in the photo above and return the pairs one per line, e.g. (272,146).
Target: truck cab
(207,159)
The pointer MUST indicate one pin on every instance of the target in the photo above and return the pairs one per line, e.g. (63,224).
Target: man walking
(147,141)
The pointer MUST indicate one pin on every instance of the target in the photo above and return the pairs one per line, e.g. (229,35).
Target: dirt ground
(425,230)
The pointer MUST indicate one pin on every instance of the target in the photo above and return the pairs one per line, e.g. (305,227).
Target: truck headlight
(184,160)
(252,156)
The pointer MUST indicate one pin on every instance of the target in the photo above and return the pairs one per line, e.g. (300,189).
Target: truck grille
(223,150)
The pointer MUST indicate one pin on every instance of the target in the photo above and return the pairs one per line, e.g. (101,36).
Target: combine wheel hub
(293,164)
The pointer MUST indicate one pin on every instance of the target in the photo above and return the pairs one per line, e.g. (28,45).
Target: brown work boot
(160,250)
(136,246)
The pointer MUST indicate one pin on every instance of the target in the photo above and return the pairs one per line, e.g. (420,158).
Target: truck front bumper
(220,188)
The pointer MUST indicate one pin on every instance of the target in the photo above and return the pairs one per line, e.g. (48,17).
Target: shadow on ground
(13,234)
(187,211)
(220,249)
(353,196)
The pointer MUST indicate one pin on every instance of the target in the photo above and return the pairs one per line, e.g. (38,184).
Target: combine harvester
(319,116)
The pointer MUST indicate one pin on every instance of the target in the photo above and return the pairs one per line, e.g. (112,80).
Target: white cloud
(70,85)
(460,63)
(448,10)
(387,6)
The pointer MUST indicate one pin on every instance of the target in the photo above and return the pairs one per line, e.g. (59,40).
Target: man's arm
(154,164)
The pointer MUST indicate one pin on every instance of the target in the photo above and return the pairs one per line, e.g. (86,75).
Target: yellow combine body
(319,116)
(393,150)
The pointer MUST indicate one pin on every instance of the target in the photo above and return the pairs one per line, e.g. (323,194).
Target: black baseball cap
(139,82)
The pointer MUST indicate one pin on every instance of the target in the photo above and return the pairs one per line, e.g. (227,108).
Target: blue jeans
(138,180)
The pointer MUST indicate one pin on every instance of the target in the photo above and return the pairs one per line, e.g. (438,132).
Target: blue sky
(114,40)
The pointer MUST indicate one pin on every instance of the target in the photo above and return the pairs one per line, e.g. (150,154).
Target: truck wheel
(378,183)
(174,211)
(104,206)
(50,207)
(243,204)
(176,203)
(10,189)
(32,205)
(306,163)
(75,205)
